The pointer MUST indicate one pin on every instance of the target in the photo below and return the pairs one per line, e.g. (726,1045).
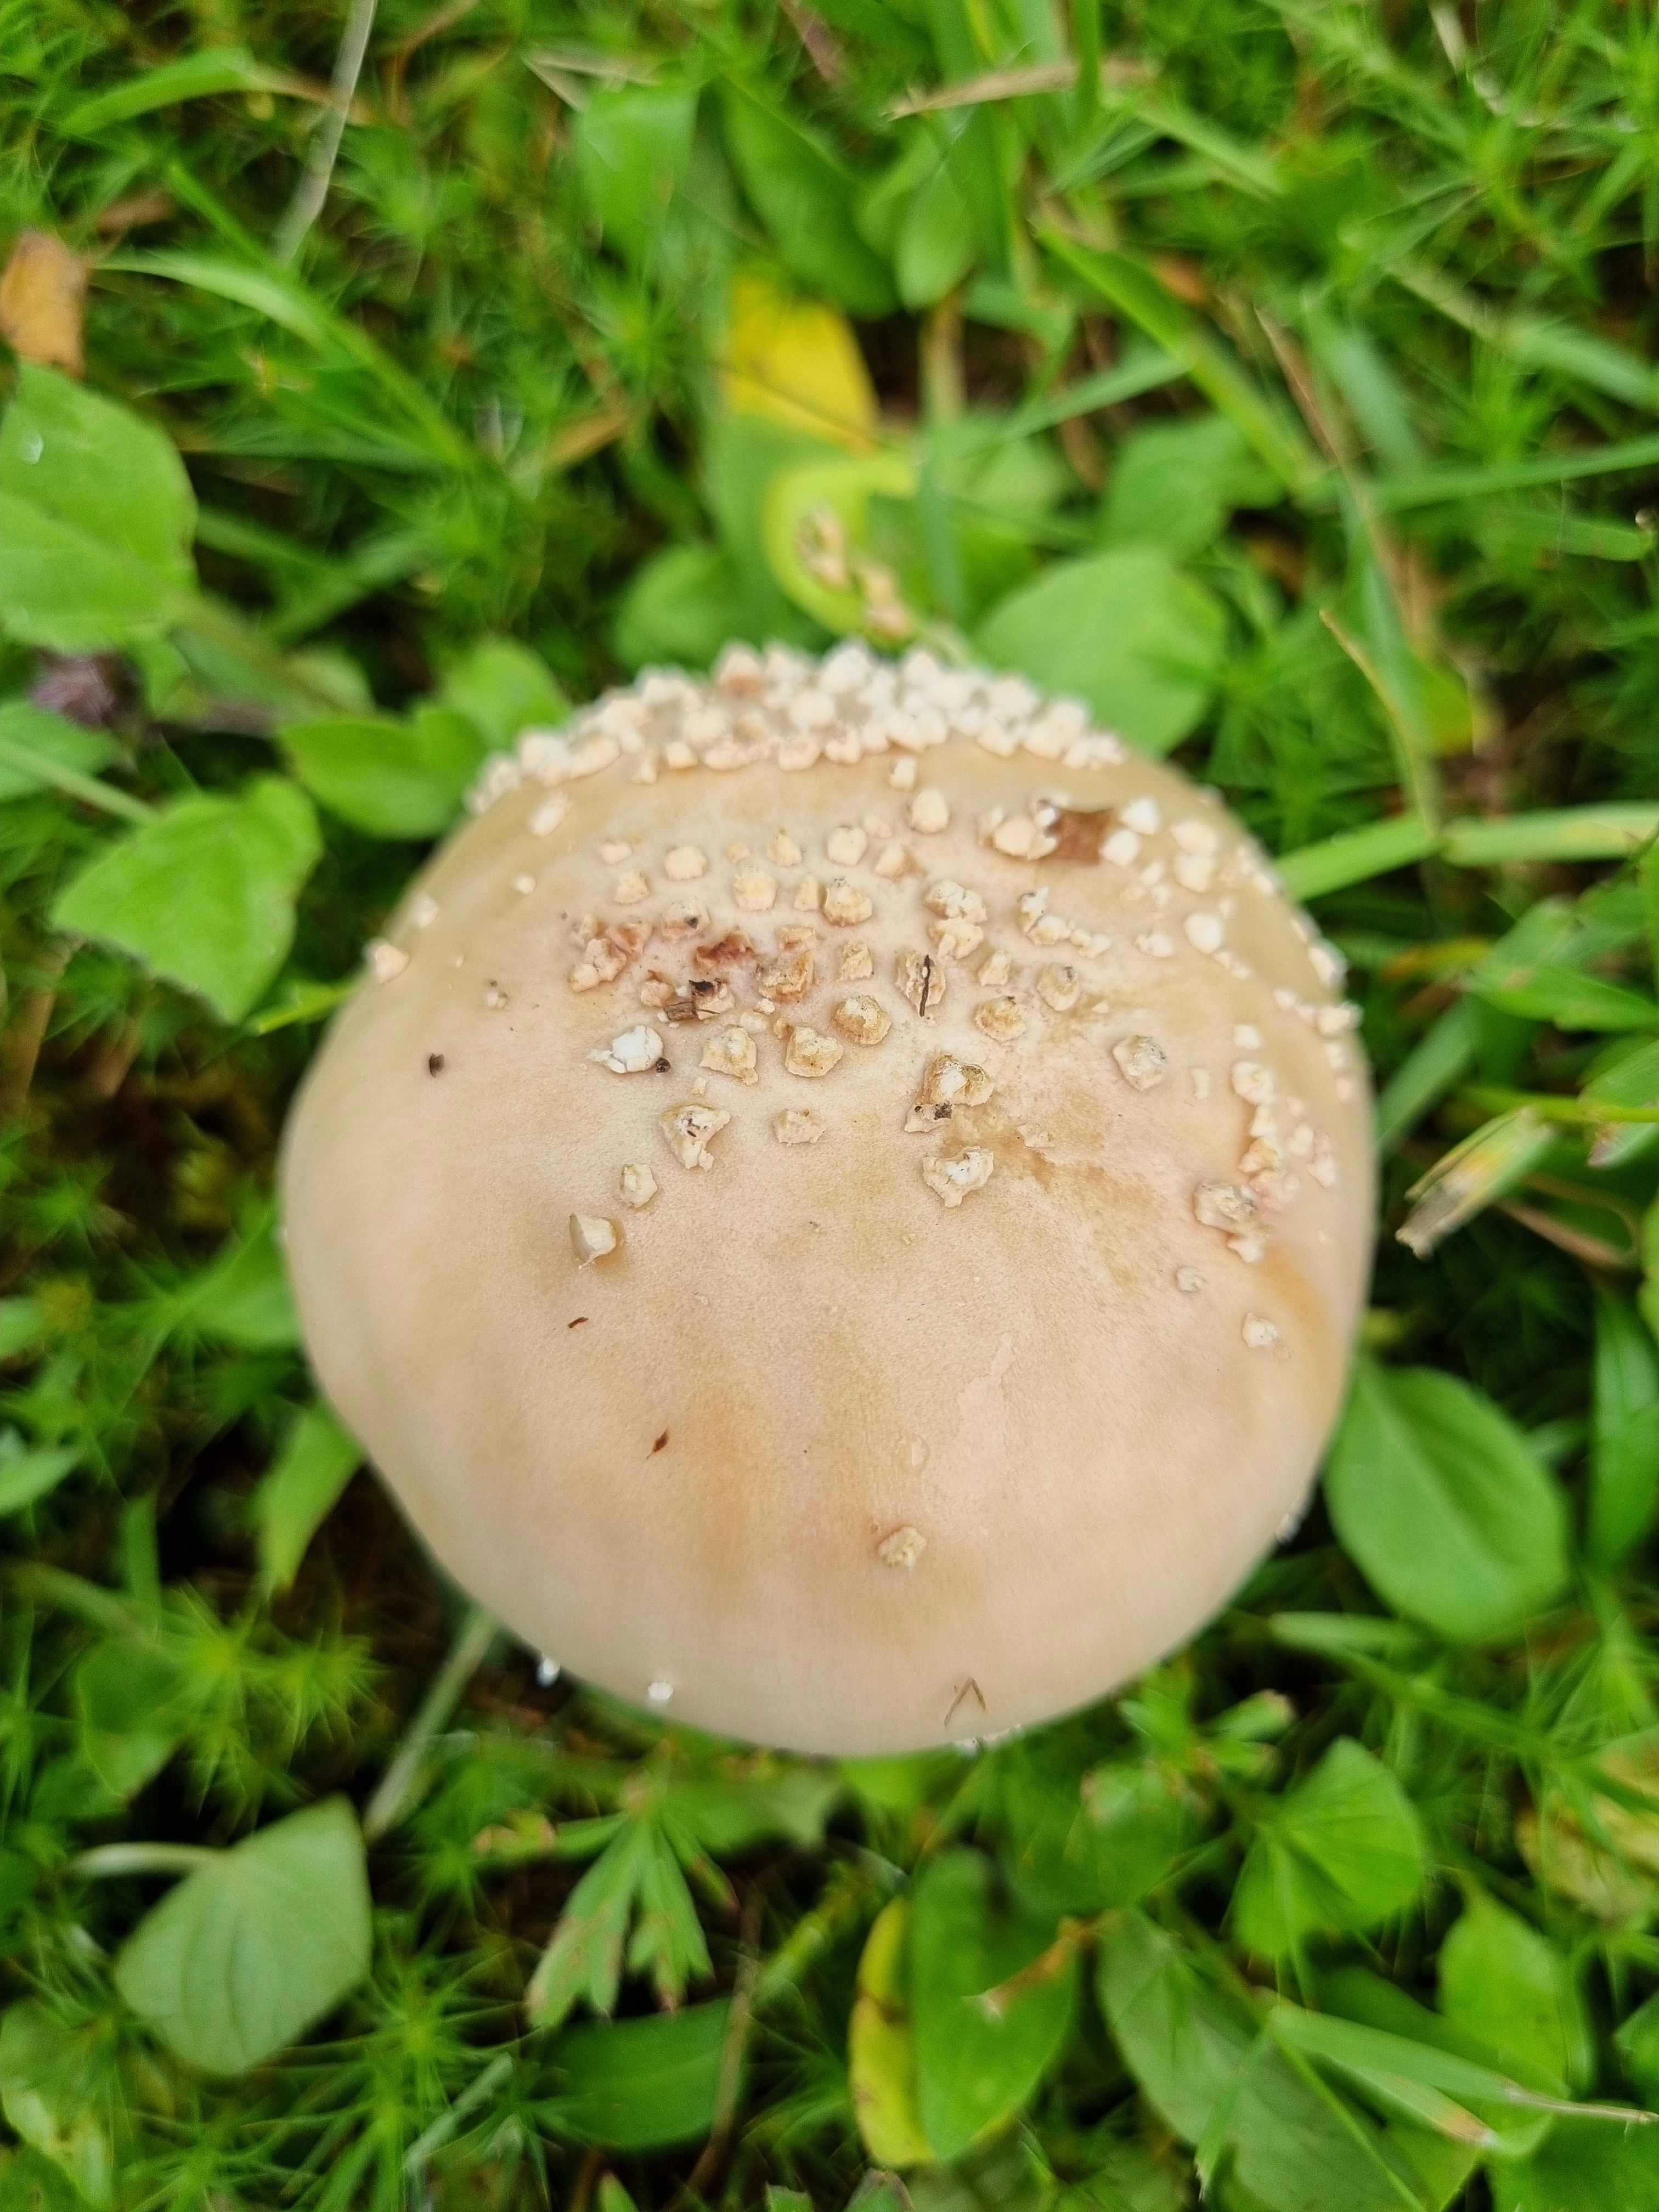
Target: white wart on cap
(864,1251)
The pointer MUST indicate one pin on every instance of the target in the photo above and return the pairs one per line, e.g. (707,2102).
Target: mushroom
(975,1342)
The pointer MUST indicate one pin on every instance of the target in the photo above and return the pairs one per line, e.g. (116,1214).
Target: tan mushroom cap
(842,1209)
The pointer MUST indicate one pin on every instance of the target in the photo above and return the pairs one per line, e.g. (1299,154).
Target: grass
(1396,270)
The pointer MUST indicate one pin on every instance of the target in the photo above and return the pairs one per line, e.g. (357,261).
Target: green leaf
(1440,1502)
(881,2044)
(1175,484)
(247,1953)
(975,2065)
(391,779)
(52,2093)
(726,1815)
(27,1475)
(637,1873)
(23,1325)
(318,1459)
(1624,1453)
(1138,641)
(1297,2145)
(242,1297)
(1343,1851)
(1133,290)
(27,730)
(681,606)
(1080,1849)
(126,1692)
(1183,2044)
(805,196)
(204,894)
(640,2084)
(96,517)
(1570,1000)
(937,240)
(1511,1993)
(194,77)
(633,150)
(503,688)
(584,1957)
(1582,2169)
(843,485)
(667,1943)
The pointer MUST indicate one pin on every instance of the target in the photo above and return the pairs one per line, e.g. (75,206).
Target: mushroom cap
(842,1206)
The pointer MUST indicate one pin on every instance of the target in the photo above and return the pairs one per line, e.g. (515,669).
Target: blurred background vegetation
(421,369)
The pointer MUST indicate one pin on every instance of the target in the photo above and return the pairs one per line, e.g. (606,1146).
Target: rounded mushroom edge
(843,1205)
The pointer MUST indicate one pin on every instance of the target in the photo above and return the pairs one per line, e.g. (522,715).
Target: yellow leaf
(796,362)
(43,291)
(881,2049)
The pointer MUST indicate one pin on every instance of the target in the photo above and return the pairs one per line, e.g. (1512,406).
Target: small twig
(1591,1251)
(106,1861)
(823,48)
(389,1801)
(996,84)
(736,2036)
(20,1043)
(307,202)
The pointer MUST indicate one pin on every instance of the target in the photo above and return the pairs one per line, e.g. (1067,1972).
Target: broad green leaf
(640,2084)
(1586,2169)
(1183,2044)
(1625,1455)
(937,241)
(96,516)
(318,1459)
(1421,2066)
(28,731)
(391,779)
(1295,2144)
(54,2093)
(1142,643)
(248,1953)
(633,150)
(1175,484)
(23,1324)
(881,2046)
(26,1474)
(242,1297)
(204,894)
(503,688)
(1440,1502)
(1637,2041)
(1572,1000)
(805,196)
(1537,969)
(753,1805)
(682,605)
(130,1727)
(976,2063)
(1345,1850)
(1625,1074)
(1073,1849)
(1503,1984)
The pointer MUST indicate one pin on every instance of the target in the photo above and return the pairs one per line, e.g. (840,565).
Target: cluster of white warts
(783,708)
